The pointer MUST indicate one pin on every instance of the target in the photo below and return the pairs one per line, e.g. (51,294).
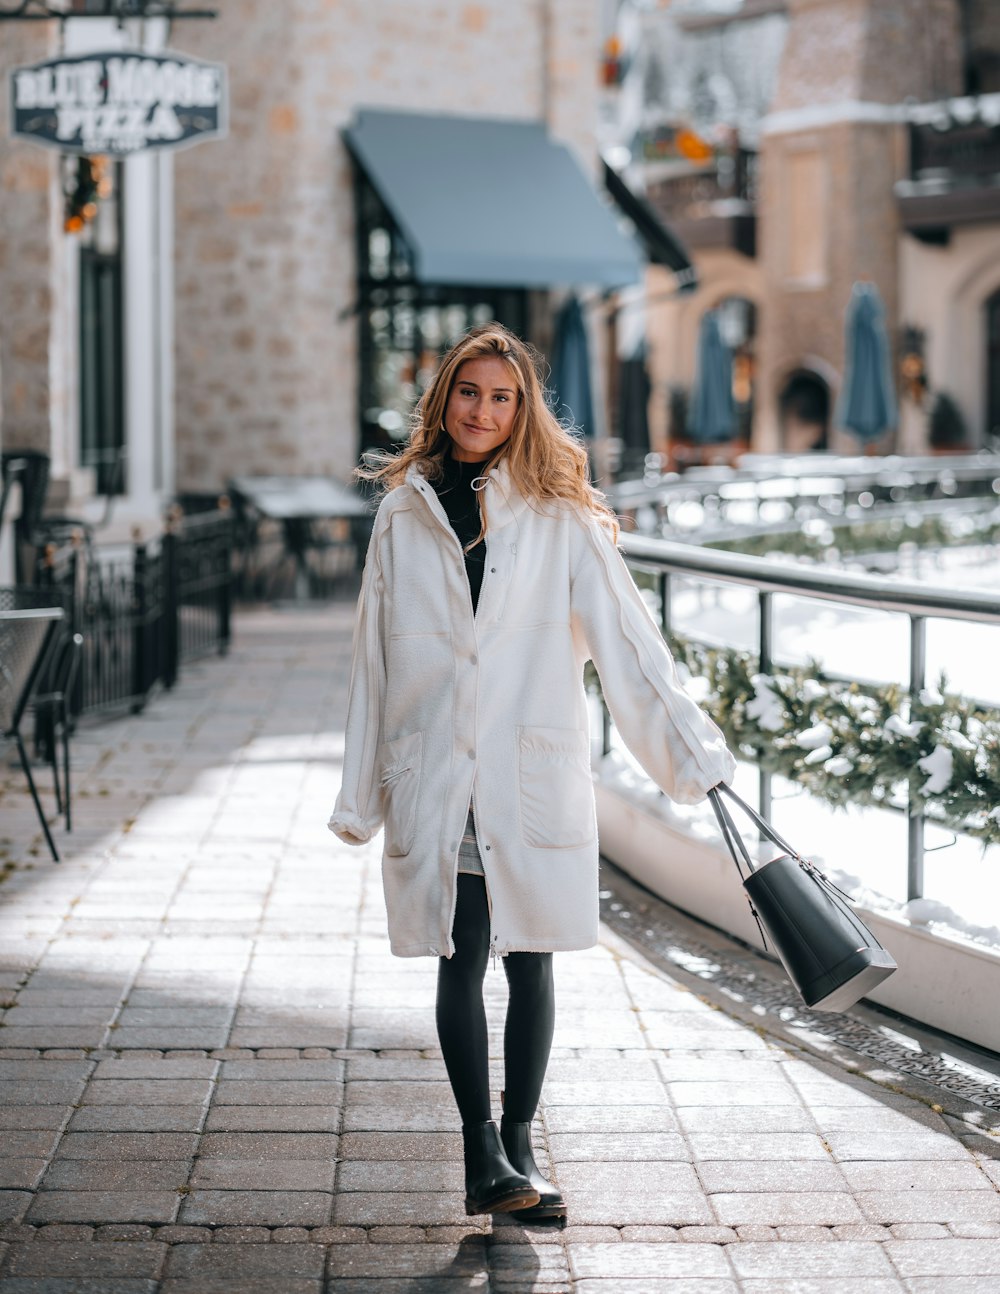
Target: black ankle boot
(492,1185)
(516,1138)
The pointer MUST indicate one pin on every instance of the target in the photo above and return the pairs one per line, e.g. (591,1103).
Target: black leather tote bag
(830,955)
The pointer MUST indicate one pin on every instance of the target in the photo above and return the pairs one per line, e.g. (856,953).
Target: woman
(492,577)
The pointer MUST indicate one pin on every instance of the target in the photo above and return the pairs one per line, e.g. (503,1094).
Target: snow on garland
(848,744)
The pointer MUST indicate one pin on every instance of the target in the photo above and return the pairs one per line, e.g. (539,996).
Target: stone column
(832,147)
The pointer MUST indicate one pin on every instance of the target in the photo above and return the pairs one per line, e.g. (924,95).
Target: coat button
(487,847)
(473,660)
(472,754)
(493,570)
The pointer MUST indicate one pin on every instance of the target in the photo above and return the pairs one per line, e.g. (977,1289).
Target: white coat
(447,707)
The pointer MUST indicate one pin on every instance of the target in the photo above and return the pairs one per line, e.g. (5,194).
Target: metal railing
(774,489)
(690,195)
(146,611)
(959,153)
(666,559)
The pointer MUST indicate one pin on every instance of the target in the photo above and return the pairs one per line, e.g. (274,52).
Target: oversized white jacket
(447,707)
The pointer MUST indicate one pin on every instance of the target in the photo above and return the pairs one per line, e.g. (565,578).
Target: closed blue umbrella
(867,403)
(571,394)
(633,400)
(713,414)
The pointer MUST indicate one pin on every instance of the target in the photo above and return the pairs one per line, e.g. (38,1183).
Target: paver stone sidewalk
(215,1077)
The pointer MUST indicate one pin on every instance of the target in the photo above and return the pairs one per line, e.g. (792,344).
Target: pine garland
(848,744)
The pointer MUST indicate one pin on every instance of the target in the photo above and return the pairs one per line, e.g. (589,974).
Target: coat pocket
(555,788)
(399,777)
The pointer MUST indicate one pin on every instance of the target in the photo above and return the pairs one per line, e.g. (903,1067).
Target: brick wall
(875,51)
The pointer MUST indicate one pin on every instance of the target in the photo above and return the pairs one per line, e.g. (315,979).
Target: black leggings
(461,1017)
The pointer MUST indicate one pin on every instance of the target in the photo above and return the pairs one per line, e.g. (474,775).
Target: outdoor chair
(28,623)
(54,714)
(34,528)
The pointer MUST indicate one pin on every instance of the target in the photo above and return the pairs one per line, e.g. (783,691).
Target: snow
(853,641)
(968,882)
(815,738)
(938,916)
(765,706)
(961,878)
(620,772)
(809,116)
(938,767)
(900,728)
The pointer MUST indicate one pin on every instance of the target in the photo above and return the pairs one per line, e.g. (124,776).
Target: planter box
(944,982)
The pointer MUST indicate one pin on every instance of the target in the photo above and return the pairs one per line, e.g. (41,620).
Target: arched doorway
(993,366)
(804,412)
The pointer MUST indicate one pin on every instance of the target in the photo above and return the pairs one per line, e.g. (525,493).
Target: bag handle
(731,834)
(761,824)
(736,846)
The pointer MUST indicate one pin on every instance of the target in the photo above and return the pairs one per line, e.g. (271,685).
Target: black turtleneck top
(461,502)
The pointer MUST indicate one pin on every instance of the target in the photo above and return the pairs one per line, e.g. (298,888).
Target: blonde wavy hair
(546,460)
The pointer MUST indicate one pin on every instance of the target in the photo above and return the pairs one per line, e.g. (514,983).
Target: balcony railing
(962,154)
(714,206)
(954,174)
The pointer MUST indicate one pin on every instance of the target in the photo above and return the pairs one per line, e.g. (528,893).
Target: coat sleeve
(357,814)
(677,744)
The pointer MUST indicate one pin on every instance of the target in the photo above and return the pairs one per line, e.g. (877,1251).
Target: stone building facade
(830,155)
(85,338)
(827,192)
(239,350)
(265,263)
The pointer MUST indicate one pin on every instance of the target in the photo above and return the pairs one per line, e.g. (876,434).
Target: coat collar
(504,502)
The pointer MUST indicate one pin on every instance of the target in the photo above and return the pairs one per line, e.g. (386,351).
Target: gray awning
(491,203)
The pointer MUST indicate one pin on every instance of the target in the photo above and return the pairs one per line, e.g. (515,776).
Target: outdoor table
(296,502)
(26,632)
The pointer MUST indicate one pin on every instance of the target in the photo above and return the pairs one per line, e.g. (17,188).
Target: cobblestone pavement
(215,1077)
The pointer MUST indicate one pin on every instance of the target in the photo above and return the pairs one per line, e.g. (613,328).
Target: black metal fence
(144,609)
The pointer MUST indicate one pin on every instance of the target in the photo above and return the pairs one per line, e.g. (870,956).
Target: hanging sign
(118,103)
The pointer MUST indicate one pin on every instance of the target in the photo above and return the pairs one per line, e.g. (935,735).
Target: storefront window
(102,396)
(405,325)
